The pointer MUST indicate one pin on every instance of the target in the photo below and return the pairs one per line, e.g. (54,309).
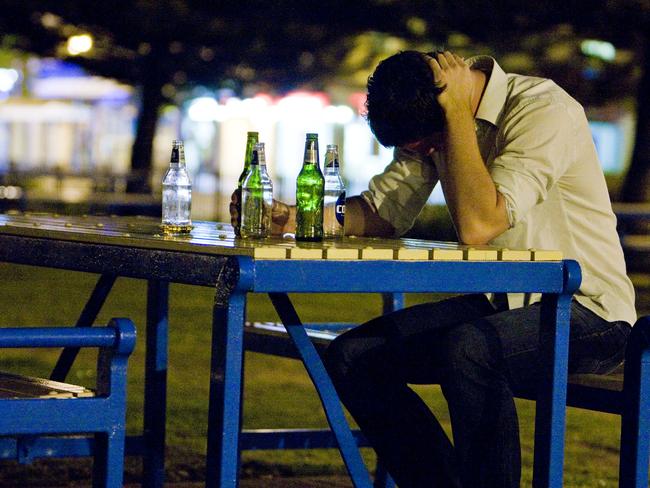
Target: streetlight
(79,44)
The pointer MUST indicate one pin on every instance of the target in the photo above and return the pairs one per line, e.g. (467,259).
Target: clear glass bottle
(267,189)
(310,186)
(334,201)
(177,194)
(253,204)
(251,139)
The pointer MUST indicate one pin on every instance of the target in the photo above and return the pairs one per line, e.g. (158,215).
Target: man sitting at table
(518,168)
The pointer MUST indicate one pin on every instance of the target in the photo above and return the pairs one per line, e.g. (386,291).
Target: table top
(219,238)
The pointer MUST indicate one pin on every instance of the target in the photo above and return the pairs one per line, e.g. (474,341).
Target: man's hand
(280,214)
(280,217)
(453,78)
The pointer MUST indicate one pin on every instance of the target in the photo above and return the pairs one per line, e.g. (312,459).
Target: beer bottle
(177,193)
(252,199)
(251,140)
(309,194)
(334,195)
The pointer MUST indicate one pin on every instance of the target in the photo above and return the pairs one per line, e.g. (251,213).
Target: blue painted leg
(155,397)
(325,388)
(635,415)
(108,460)
(551,401)
(224,421)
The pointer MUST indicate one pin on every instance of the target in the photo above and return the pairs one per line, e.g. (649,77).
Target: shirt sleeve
(535,151)
(400,192)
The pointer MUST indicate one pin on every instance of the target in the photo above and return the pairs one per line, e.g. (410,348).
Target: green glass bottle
(252,199)
(251,140)
(310,188)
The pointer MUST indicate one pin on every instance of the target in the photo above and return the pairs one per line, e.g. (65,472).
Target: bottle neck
(332,165)
(311,153)
(178,157)
(250,144)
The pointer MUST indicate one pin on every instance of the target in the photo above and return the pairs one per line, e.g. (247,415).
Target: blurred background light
(79,44)
(598,49)
(203,109)
(8,78)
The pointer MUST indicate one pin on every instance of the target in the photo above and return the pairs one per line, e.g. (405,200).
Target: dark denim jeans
(479,356)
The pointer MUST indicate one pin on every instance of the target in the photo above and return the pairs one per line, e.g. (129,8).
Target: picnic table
(211,256)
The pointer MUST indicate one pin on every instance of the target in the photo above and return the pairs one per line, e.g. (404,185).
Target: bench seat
(19,386)
(589,391)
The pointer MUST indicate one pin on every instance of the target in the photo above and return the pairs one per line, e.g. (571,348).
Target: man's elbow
(480,233)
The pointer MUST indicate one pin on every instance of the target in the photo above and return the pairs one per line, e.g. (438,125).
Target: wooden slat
(407,254)
(478,254)
(270,252)
(305,253)
(514,255)
(18,386)
(342,254)
(372,253)
(541,255)
(446,254)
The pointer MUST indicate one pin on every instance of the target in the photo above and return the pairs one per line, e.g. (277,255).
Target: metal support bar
(392,302)
(40,447)
(330,400)
(155,396)
(86,319)
(260,439)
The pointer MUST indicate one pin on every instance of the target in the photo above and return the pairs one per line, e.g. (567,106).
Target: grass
(278,392)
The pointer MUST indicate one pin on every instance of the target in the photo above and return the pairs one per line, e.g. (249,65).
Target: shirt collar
(494,95)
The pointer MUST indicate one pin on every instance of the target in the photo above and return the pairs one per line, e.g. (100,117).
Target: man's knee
(352,355)
(334,358)
(466,350)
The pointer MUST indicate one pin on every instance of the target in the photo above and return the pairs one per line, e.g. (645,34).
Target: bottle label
(340,209)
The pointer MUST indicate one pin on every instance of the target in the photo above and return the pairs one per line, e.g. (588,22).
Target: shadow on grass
(182,466)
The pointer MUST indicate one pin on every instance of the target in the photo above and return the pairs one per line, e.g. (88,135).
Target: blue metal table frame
(242,275)
(108,248)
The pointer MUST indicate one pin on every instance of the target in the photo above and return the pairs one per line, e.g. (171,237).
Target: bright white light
(203,109)
(79,44)
(338,114)
(301,104)
(8,78)
(598,49)
(82,87)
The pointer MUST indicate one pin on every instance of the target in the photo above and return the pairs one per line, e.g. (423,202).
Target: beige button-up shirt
(536,143)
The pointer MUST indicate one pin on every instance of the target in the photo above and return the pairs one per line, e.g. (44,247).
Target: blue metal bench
(625,392)
(34,406)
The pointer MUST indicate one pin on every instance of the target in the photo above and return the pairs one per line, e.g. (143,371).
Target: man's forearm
(476,207)
(361,219)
